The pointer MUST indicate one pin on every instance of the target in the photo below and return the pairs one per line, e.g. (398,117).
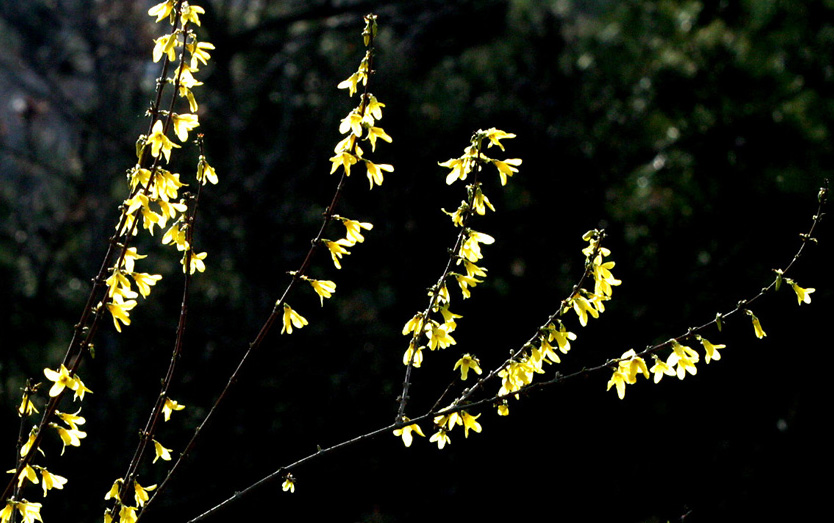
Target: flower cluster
(154,190)
(361,123)
(433,327)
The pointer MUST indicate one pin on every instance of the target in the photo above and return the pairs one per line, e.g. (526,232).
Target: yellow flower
(292,318)
(30,512)
(440,337)
(495,135)
(169,407)
(131,255)
(324,288)
(441,437)
(471,249)
(802,295)
(375,107)
(345,159)
(506,168)
(618,379)
(51,481)
(206,172)
(160,142)
(414,325)
(127,514)
(161,452)
(27,473)
(503,408)
(460,167)
(465,363)
(145,281)
(119,309)
(79,392)
(26,407)
(464,282)
(449,318)
(70,436)
(631,365)
(184,123)
(481,202)
(470,423)
(165,45)
(140,493)
(289,484)
(377,132)
(712,350)
(757,327)
(660,368)
(583,307)
(352,81)
(199,54)
(562,337)
(684,358)
(190,13)
(162,10)
(197,264)
(61,379)
(415,358)
(337,250)
(113,493)
(406,432)
(375,171)
(8,510)
(354,230)
(72,420)
(33,434)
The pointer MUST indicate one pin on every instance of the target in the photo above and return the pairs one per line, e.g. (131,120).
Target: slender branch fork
(557,379)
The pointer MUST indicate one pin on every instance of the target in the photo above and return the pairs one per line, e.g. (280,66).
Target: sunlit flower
(169,407)
(161,10)
(344,159)
(197,264)
(354,230)
(292,319)
(61,379)
(26,407)
(324,288)
(289,484)
(199,53)
(660,368)
(161,452)
(190,13)
(375,172)
(467,362)
(70,436)
(414,325)
(802,295)
(413,356)
(33,434)
(583,307)
(711,350)
(72,420)
(127,514)
(165,45)
(145,281)
(337,250)
(140,493)
(684,358)
(469,422)
(160,142)
(27,473)
(406,432)
(757,327)
(113,493)
(618,379)
(441,437)
(377,132)
(205,172)
(464,282)
(352,81)
(471,248)
(81,390)
(506,168)
(183,123)
(119,309)
(495,135)
(439,337)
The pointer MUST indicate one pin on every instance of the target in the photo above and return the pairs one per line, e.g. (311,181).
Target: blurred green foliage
(696,132)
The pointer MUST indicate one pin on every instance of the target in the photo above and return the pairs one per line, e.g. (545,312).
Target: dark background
(696,133)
